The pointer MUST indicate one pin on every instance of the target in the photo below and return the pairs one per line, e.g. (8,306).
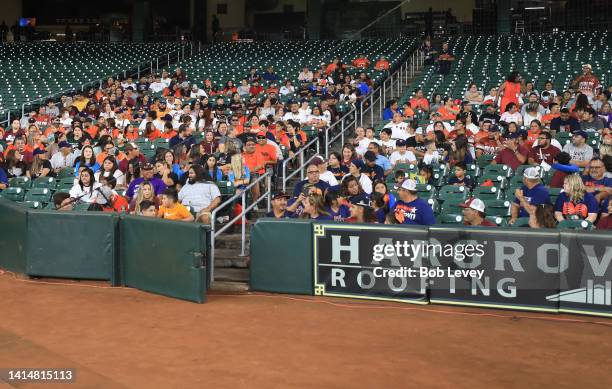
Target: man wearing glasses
(313,179)
(596,182)
(543,150)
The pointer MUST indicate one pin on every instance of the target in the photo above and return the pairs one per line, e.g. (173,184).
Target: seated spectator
(62,202)
(580,152)
(362,212)
(448,111)
(337,210)
(147,208)
(401,154)
(474,214)
(147,172)
(279,206)
(553,114)
(382,64)
(110,200)
(40,167)
(575,202)
(564,123)
(512,154)
(460,177)
(562,167)
(63,158)
(531,113)
(145,192)
(324,173)
(84,190)
(489,141)
(596,181)
(372,169)
(590,121)
(389,199)
(171,209)
(410,209)
(491,98)
(605,222)
(314,208)
(419,101)
(512,115)
(364,143)
(528,196)
(543,151)
(490,114)
(390,110)
(200,195)
(459,151)
(473,95)
(313,179)
(542,216)
(387,145)
(356,170)
(399,128)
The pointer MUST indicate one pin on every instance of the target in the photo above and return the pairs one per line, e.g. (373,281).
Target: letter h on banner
(338,247)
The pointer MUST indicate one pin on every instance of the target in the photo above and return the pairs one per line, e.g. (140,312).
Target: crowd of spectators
(200,134)
(516,126)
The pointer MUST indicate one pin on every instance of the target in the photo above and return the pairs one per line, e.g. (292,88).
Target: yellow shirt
(80,104)
(177,212)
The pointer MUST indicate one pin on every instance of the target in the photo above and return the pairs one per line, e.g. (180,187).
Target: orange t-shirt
(253,160)
(120,204)
(48,131)
(268,151)
(361,63)
(331,68)
(92,131)
(382,64)
(168,135)
(177,212)
(408,112)
(546,119)
(419,103)
(154,135)
(446,114)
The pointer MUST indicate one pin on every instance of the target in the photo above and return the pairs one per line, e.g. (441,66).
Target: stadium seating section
(29,71)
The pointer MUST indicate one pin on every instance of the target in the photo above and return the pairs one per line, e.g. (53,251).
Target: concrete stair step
(231,241)
(233,275)
(229,286)
(229,258)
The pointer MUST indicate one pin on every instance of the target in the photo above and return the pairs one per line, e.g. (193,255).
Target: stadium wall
(546,270)
(461,9)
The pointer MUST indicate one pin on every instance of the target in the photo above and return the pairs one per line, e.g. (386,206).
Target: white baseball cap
(532,173)
(475,204)
(408,184)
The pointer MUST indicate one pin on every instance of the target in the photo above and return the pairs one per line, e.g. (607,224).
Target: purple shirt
(158,186)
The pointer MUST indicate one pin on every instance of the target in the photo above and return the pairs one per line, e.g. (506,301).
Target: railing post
(213,216)
(168,60)
(243,221)
(361,114)
(302,165)
(342,132)
(285,175)
(138,74)
(327,142)
(371,109)
(157,65)
(23,110)
(269,182)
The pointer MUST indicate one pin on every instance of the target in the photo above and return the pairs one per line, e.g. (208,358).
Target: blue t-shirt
(381,215)
(587,205)
(3,176)
(300,186)
(415,212)
(534,196)
(383,162)
(322,217)
(343,213)
(598,184)
(94,168)
(358,198)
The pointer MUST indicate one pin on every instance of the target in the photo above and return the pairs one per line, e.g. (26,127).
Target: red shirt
(484,223)
(255,90)
(508,157)
(548,154)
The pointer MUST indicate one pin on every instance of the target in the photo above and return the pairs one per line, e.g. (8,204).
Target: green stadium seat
(13,193)
(44,182)
(226,188)
(33,204)
(42,195)
(497,207)
(454,219)
(521,222)
(487,193)
(575,225)
(20,182)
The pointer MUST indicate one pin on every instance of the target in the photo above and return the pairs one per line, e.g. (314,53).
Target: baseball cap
(586,65)
(408,184)
(358,163)
(369,156)
(280,195)
(363,203)
(475,204)
(532,173)
(147,166)
(581,133)
(400,143)
(250,139)
(38,151)
(63,144)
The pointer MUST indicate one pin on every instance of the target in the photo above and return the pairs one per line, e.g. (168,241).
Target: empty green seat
(13,194)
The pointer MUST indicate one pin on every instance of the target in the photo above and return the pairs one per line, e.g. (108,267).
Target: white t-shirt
(398,130)
(397,157)
(362,147)
(85,195)
(199,195)
(157,87)
(446,125)
(328,177)
(512,117)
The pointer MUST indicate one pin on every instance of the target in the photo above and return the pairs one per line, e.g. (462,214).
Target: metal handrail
(213,217)
(142,65)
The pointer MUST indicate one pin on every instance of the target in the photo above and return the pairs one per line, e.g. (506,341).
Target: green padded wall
(281,256)
(13,236)
(164,257)
(71,245)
